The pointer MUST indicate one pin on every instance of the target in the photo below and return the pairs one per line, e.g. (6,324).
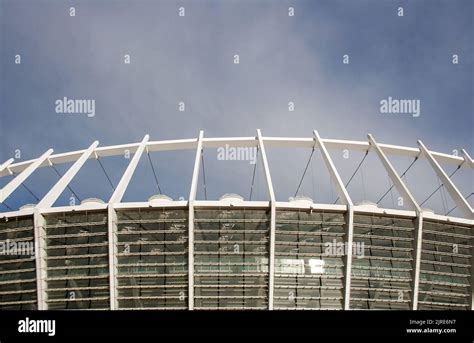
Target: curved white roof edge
(23,170)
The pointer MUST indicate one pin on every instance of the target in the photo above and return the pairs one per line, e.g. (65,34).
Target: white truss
(23,170)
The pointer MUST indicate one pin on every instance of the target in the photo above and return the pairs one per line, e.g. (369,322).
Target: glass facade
(77,264)
(308,267)
(17,264)
(382,277)
(231,260)
(445,267)
(152,255)
(231,253)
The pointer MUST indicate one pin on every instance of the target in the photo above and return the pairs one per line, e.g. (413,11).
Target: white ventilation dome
(231,198)
(27,206)
(367,203)
(301,199)
(426,209)
(159,198)
(92,201)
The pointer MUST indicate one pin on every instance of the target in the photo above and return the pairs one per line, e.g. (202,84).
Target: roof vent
(159,198)
(92,201)
(367,203)
(27,206)
(426,209)
(231,198)
(301,199)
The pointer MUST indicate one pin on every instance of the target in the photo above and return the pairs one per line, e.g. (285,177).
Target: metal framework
(23,170)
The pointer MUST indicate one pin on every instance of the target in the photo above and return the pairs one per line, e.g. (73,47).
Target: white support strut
(6,191)
(50,198)
(455,194)
(468,159)
(397,181)
(340,188)
(192,198)
(271,193)
(127,175)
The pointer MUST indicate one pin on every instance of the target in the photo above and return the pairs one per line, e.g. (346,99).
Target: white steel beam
(231,141)
(397,181)
(340,188)
(266,168)
(5,165)
(112,241)
(55,192)
(127,176)
(192,198)
(349,231)
(270,142)
(197,165)
(467,158)
(418,240)
(40,259)
(457,197)
(271,193)
(6,191)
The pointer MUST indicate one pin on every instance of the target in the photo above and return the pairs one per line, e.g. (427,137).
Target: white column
(112,239)
(54,193)
(417,260)
(127,176)
(112,219)
(40,259)
(192,198)
(348,260)
(17,181)
(268,178)
(457,197)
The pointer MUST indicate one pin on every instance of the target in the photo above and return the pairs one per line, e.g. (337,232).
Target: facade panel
(445,267)
(17,264)
(152,247)
(308,263)
(77,270)
(231,250)
(382,276)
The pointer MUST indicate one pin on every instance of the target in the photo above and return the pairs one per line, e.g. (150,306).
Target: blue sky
(190,59)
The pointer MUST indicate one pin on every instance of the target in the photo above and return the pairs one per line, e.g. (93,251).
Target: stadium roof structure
(352,217)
